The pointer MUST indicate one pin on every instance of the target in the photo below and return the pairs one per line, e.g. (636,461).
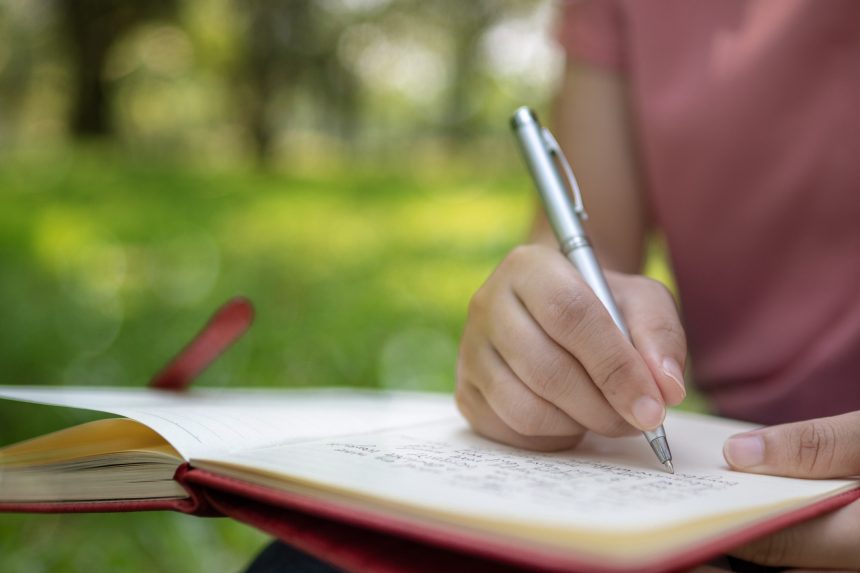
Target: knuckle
(669,330)
(517,258)
(654,289)
(614,374)
(642,283)
(658,288)
(521,253)
(478,303)
(640,286)
(812,446)
(663,323)
(675,330)
(547,376)
(569,307)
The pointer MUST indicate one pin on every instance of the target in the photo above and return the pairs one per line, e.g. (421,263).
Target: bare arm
(592,123)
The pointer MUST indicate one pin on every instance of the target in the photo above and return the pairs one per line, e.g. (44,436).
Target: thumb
(656,332)
(820,448)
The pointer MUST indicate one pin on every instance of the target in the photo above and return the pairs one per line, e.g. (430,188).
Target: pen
(538,147)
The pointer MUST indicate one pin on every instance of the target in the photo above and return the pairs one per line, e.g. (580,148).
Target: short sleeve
(592,31)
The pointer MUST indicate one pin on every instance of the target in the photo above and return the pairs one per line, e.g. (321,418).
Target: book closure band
(225,327)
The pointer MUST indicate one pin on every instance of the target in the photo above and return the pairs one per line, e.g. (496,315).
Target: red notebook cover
(368,540)
(364,540)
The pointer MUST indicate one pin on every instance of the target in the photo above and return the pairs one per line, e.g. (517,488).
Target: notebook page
(205,421)
(606,484)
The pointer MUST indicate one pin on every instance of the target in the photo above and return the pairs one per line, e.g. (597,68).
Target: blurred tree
(91,28)
(464,25)
(16,66)
(292,44)
(467,23)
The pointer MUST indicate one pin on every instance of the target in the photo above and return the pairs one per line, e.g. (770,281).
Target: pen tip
(669,467)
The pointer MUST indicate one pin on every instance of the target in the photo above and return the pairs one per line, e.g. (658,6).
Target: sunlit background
(346,164)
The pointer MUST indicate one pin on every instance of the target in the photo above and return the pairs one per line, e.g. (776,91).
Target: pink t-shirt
(748,123)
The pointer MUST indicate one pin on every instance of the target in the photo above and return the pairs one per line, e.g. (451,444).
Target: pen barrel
(550,186)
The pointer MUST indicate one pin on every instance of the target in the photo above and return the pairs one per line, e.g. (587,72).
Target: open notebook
(407,463)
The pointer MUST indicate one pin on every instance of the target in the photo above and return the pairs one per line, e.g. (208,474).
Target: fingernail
(744,451)
(648,412)
(673,370)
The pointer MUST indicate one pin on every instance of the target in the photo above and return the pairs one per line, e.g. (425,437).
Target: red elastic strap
(224,328)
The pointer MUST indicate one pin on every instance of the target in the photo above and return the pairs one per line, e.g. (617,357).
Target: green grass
(110,265)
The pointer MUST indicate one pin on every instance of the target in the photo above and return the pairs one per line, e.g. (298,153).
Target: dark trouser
(279,557)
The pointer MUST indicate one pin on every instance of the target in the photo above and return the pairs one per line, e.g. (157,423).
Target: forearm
(592,124)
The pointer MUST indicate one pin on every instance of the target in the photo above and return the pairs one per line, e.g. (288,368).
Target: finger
(655,327)
(484,421)
(829,541)
(520,408)
(820,448)
(550,371)
(570,313)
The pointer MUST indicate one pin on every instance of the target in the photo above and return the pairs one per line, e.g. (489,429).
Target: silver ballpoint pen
(538,147)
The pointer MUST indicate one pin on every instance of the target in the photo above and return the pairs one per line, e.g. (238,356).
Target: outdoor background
(346,164)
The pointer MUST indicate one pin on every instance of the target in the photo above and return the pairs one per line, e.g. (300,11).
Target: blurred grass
(109,265)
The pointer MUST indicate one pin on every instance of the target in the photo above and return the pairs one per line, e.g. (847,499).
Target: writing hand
(821,448)
(541,361)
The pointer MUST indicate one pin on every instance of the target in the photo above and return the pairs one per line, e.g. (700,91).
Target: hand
(822,448)
(541,361)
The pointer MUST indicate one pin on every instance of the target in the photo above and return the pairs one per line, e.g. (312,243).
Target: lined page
(202,422)
(605,484)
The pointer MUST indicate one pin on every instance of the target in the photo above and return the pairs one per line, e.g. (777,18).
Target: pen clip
(554,148)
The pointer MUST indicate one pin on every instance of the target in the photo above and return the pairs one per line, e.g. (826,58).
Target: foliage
(252,79)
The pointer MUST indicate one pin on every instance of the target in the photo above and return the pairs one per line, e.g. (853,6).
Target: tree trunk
(89,29)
